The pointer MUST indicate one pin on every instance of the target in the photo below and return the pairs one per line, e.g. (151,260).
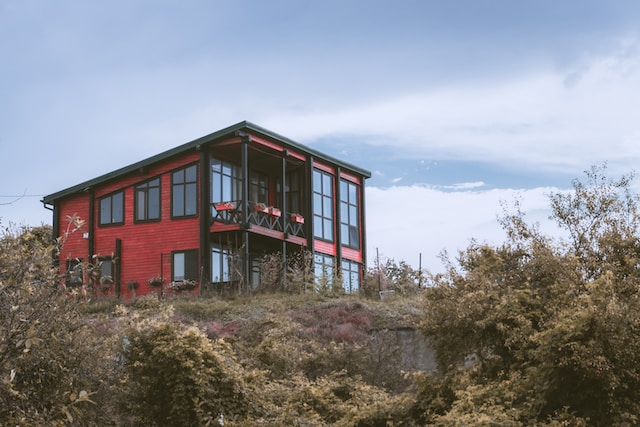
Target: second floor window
(112,209)
(322,205)
(226,181)
(184,192)
(148,201)
(349,212)
(258,187)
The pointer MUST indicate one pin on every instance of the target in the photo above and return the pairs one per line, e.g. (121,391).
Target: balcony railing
(259,214)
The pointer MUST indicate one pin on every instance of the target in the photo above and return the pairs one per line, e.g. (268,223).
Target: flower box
(182,285)
(224,206)
(156,281)
(261,207)
(275,212)
(297,218)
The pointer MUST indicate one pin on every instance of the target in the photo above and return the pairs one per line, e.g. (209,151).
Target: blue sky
(453,106)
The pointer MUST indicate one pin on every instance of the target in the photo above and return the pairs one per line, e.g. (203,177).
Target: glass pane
(227,169)
(178,266)
(106,268)
(344,212)
(317,181)
(105,211)
(216,165)
(216,274)
(191,175)
(354,237)
(317,204)
(327,208)
(344,234)
(328,229)
(327,188)
(216,188)
(191,201)
(118,208)
(178,200)
(155,183)
(154,203)
(353,215)
(344,190)
(317,226)
(226,189)
(178,177)
(140,210)
(353,194)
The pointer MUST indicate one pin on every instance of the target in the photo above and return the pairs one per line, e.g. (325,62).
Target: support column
(285,218)
(244,229)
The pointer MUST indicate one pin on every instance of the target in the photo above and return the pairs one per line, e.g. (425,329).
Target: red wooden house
(205,214)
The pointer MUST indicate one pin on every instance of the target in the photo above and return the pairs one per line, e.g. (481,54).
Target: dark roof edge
(244,125)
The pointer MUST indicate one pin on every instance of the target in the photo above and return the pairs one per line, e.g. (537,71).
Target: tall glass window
(185,265)
(220,264)
(349,213)
(226,181)
(148,201)
(112,209)
(292,192)
(350,276)
(322,205)
(323,269)
(184,189)
(258,187)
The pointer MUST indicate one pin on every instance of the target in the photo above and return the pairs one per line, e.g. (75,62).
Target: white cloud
(535,120)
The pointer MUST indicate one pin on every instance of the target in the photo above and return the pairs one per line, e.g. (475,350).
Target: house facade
(206,215)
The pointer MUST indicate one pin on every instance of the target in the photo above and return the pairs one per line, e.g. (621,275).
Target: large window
(349,212)
(350,276)
(112,209)
(226,181)
(322,205)
(148,201)
(323,270)
(184,265)
(292,192)
(258,187)
(74,274)
(220,264)
(184,189)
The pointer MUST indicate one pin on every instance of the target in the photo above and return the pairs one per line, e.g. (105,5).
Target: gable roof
(223,133)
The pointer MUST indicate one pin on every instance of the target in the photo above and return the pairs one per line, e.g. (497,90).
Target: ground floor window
(185,266)
(350,276)
(74,273)
(220,264)
(323,270)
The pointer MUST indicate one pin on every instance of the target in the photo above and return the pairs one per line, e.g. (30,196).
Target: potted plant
(182,285)
(296,217)
(274,211)
(224,206)
(261,207)
(156,281)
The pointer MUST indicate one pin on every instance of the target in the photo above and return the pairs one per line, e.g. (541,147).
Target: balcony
(261,217)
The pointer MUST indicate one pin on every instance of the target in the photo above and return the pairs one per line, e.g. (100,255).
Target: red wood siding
(74,245)
(143,245)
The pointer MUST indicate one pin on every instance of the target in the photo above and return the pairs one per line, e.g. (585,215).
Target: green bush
(175,376)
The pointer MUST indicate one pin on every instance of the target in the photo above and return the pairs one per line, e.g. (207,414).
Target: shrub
(176,377)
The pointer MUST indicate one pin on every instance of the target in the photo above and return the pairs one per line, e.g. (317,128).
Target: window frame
(226,177)
(190,268)
(350,272)
(324,269)
(185,185)
(145,188)
(323,206)
(110,197)
(349,214)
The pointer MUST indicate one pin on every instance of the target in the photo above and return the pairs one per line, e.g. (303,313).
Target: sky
(454,106)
